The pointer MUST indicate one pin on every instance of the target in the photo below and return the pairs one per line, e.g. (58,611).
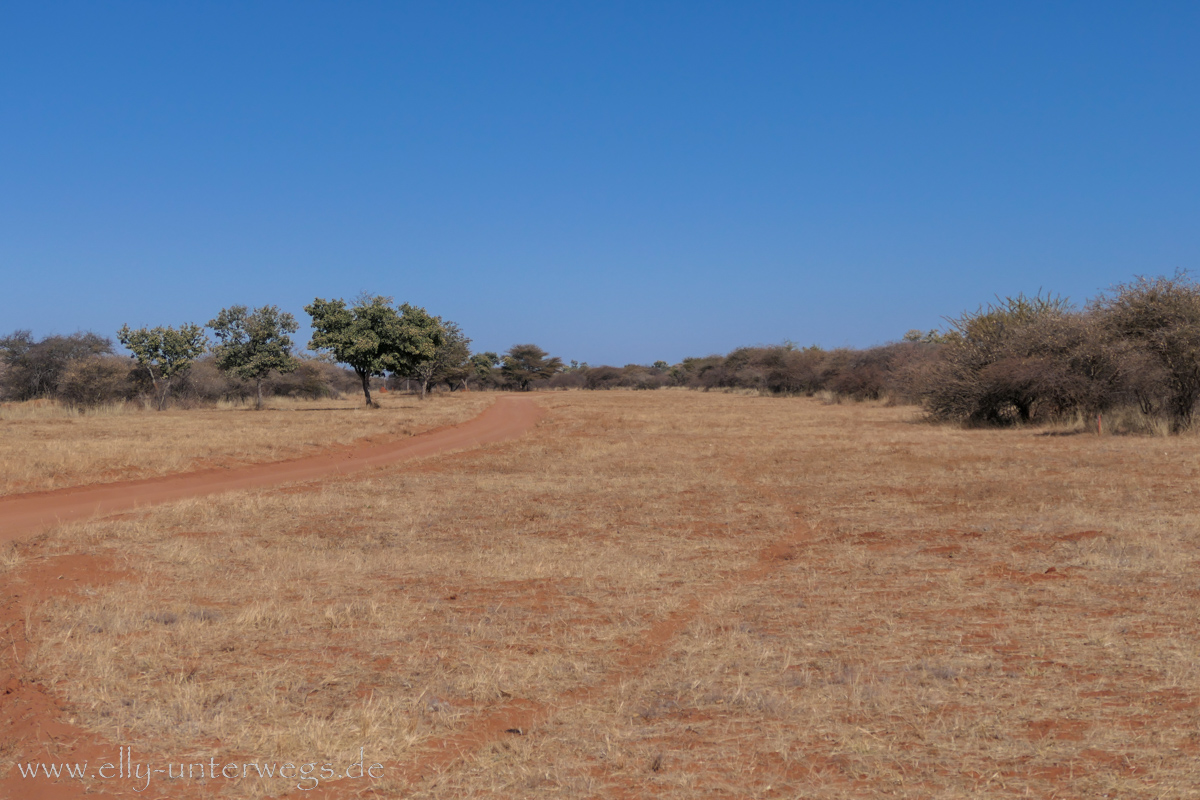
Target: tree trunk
(366,382)
(258,403)
(424,387)
(160,390)
(162,393)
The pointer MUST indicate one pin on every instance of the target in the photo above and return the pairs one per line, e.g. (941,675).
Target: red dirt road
(32,724)
(25,514)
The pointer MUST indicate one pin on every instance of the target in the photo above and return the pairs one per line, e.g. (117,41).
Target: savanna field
(649,594)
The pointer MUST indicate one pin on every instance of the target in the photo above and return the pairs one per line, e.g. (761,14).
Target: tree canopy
(253,343)
(372,337)
(1161,316)
(450,359)
(164,352)
(525,363)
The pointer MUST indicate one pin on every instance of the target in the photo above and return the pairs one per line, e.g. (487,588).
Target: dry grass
(46,445)
(857,604)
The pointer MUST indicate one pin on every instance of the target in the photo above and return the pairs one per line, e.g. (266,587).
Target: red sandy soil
(32,722)
(24,514)
(35,726)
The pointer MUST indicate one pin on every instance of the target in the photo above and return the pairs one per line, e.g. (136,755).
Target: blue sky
(617,182)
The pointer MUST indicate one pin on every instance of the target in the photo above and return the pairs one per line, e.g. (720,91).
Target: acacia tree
(525,363)
(483,365)
(449,358)
(977,342)
(372,337)
(1161,317)
(164,352)
(254,343)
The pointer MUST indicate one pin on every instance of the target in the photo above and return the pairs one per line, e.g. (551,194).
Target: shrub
(96,380)
(795,371)
(966,386)
(35,368)
(1161,317)
(313,379)
(602,377)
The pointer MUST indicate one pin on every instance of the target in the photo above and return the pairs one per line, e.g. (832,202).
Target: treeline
(1019,360)
(1022,359)
(894,371)
(1038,359)
(253,356)
(83,370)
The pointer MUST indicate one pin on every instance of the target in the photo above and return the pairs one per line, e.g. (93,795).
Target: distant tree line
(254,356)
(893,371)
(1018,360)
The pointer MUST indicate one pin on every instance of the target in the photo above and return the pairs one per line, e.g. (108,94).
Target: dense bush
(1020,360)
(1160,317)
(1037,359)
(313,379)
(96,380)
(81,369)
(35,368)
(891,372)
(1134,350)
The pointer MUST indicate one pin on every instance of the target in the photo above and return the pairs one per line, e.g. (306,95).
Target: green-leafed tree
(164,353)
(449,361)
(253,343)
(372,337)
(525,363)
(364,336)
(482,367)
(424,336)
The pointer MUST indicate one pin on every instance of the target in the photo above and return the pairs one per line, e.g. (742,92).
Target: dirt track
(21,515)
(672,595)
(34,723)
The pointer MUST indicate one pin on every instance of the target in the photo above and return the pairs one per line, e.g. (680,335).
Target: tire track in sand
(638,657)
(34,724)
(25,514)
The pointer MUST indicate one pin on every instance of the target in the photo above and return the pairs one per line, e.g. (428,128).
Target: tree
(95,380)
(1029,358)
(424,337)
(483,367)
(164,352)
(35,369)
(525,363)
(926,337)
(252,344)
(1161,317)
(449,359)
(373,338)
(968,385)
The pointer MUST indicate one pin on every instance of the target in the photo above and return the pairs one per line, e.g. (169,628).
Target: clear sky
(616,182)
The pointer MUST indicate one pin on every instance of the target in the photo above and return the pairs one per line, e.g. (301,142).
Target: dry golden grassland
(705,594)
(45,445)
